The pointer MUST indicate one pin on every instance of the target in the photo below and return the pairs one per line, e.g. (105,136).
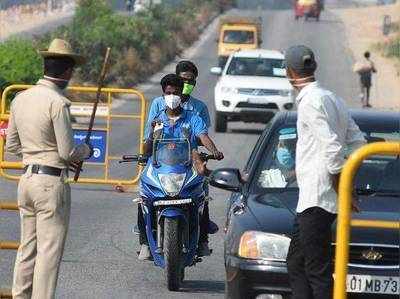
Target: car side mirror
(227,179)
(216,70)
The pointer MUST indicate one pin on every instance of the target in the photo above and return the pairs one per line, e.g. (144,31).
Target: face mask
(61,83)
(300,82)
(187,89)
(172,101)
(285,158)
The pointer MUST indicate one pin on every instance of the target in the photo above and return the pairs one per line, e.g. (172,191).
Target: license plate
(373,284)
(172,202)
(257,101)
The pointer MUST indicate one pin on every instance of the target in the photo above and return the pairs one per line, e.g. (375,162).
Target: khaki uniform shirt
(40,126)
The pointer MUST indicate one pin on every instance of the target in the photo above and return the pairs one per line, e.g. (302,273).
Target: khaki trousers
(45,203)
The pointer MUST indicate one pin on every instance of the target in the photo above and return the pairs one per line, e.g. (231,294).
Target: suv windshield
(266,67)
(376,174)
(172,152)
(238,37)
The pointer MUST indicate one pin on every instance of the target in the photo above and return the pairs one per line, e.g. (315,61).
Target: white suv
(252,88)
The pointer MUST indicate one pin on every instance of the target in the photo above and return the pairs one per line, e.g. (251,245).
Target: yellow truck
(237,33)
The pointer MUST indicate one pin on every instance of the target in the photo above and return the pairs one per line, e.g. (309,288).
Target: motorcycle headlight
(266,246)
(172,182)
(226,89)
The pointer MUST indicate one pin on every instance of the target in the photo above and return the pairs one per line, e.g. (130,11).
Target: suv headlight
(266,246)
(172,183)
(285,93)
(227,89)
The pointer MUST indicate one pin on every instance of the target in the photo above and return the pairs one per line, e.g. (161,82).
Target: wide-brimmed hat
(61,48)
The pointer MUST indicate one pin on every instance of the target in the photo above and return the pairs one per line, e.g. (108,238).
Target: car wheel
(221,124)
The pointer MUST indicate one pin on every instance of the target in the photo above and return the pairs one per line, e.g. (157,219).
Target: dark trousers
(309,259)
(204,220)
(142,226)
(365,91)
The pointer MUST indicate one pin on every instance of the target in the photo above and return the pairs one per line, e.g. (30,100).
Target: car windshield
(264,67)
(172,152)
(376,174)
(238,37)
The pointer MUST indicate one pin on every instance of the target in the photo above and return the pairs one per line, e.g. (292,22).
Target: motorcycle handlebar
(205,157)
(138,158)
(129,158)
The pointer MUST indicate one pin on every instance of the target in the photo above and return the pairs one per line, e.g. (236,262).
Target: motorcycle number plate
(172,202)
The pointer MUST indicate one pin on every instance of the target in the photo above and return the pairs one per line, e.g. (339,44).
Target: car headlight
(226,89)
(266,246)
(172,183)
(285,93)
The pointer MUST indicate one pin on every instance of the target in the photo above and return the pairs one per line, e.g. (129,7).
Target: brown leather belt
(43,169)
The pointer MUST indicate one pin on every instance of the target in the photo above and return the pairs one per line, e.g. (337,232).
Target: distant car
(261,211)
(308,9)
(252,88)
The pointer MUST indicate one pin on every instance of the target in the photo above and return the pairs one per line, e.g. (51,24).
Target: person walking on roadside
(130,4)
(40,131)
(325,128)
(365,69)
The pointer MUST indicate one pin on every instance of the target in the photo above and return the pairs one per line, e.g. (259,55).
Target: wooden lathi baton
(92,117)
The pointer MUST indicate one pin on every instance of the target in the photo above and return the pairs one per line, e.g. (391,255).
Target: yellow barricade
(104,112)
(8,245)
(344,214)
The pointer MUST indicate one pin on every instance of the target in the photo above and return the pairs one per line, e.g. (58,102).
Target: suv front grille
(258,92)
(374,256)
(257,105)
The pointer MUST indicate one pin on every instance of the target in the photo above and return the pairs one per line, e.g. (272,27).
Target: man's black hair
(172,80)
(305,72)
(186,66)
(367,54)
(57,66)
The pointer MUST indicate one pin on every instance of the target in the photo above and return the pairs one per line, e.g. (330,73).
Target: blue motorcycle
(172,200)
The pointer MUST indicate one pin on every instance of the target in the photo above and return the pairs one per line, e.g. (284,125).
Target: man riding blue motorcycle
(172,140)
(188,71)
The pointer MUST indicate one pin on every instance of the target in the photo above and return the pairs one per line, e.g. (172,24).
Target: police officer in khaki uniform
(40,131)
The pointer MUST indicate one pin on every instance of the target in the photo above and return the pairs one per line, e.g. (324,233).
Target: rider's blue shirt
(188,122)
(194,105)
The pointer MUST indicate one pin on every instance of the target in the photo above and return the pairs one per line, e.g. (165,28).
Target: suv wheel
(221,123)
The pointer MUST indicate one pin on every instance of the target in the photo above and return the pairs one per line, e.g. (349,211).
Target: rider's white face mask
(172,101)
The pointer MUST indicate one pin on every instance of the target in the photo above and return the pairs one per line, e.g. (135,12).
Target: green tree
(19,62)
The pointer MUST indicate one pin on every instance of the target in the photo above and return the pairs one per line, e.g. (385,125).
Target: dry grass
(363,27)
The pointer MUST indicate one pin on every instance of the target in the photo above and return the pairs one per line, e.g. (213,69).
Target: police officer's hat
(61,48)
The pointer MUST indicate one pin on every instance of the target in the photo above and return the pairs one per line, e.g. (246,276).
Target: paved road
(100,254)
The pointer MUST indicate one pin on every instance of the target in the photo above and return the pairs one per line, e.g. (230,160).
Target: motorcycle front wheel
(172,253)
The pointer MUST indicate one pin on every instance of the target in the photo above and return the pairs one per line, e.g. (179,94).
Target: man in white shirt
(325,129)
